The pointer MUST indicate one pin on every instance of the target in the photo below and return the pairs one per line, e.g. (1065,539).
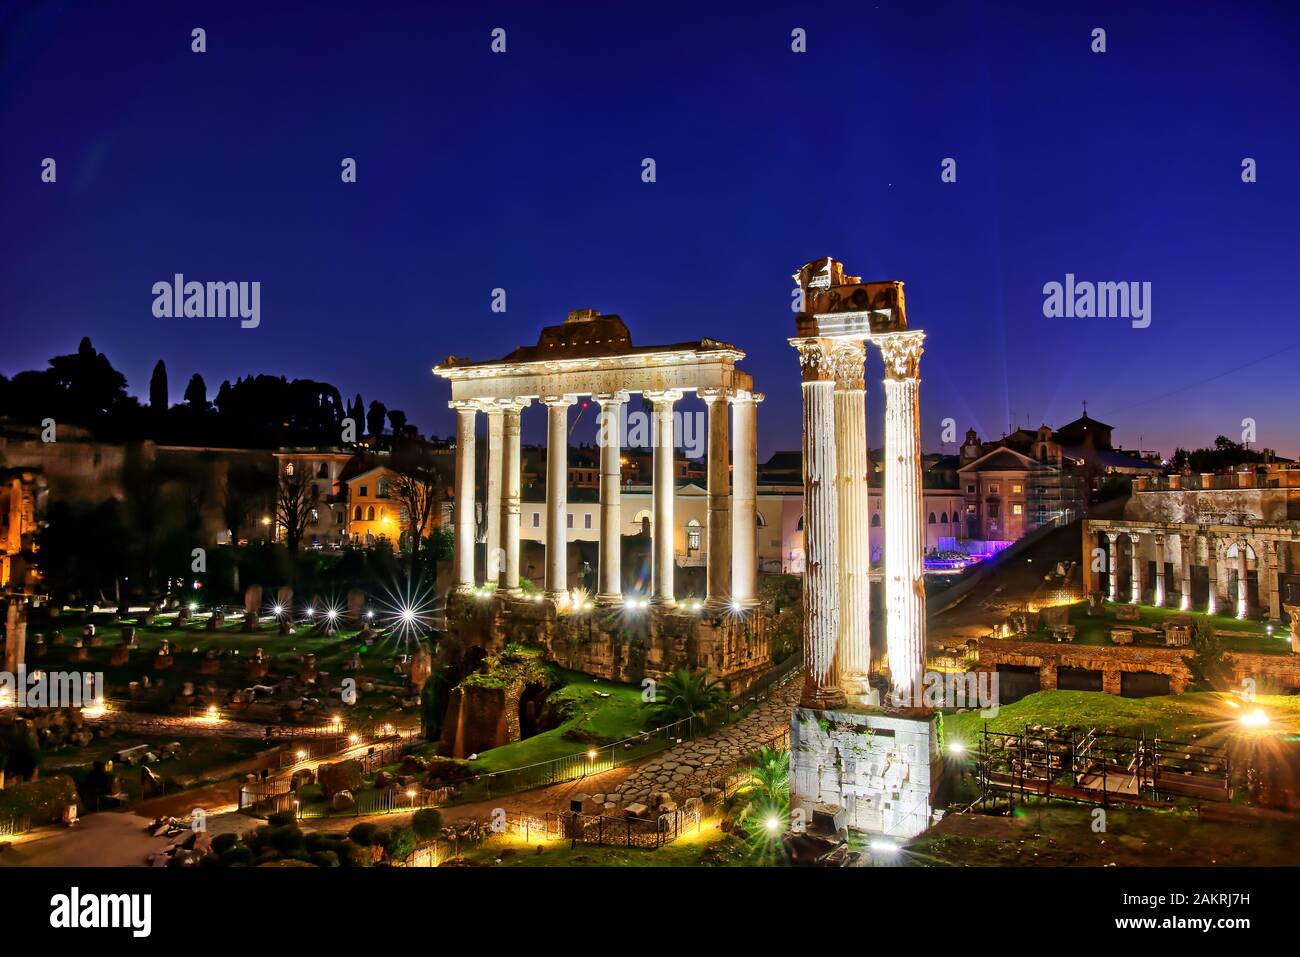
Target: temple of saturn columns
(592,355)
(854,764)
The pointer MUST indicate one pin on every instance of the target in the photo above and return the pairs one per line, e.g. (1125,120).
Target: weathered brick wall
(620,645)
(1269,672)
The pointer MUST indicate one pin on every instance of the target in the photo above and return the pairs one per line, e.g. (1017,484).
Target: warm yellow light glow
(96,710)
(302,755)
(773,824)
(1254,719)
(354,738)
(591,755)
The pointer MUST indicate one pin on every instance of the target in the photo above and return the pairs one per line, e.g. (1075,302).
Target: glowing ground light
(302,755)
(880,846)
(956,747)
(591,755)
(1254,719)
(194,606)
(212,714)
(96,710)
(331,614)
(773,824)
(278,610)
(354,738)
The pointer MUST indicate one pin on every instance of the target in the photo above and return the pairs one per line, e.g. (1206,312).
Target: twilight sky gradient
(523,171)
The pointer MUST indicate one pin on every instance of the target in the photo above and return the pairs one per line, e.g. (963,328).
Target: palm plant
(683,695)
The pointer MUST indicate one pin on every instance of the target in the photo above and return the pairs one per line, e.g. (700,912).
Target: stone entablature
(592,355)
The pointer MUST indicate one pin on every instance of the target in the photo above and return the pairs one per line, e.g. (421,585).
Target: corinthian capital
(849,362)
(902,353)
(815,358)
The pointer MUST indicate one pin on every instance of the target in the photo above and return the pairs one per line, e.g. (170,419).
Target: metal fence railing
(13,826)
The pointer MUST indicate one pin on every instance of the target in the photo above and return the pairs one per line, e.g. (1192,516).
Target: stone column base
(609,598)
(881,769)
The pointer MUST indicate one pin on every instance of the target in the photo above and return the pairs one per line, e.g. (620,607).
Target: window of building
(288,468)
(875,520)
(315,516)
(381,491)
(365,490)
(370,514)
(970,489)
(586,520)
(1017,509)
(970,509)
(931,519)
(1016,489)
(323,471)
(993,490)
(537,519)
(993,509)
(569,520)
(356,514)
(943,519)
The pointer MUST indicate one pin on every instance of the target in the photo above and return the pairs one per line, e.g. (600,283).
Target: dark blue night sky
(522,171)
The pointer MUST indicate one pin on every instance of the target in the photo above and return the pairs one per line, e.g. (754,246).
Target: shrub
(282,819)
(365,834)
(427,823)
(236,856)
(287,840)
(401,843)
(224,842)
(354,855)
(324,859)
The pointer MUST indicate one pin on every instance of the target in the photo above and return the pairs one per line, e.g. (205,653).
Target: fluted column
(610,572)
(1212,569)
(821,585)
(665,489)
(904,528)
(1160,571)
(1112,564)
(463,544)
(744,505)
(1185,544)
(1241,579)
(510,480)
(557,494)
(492,566)
(1135,568)
(1273,550)
(717,577)
(848,361)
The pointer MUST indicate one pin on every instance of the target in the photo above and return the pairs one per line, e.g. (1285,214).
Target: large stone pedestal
(880,768)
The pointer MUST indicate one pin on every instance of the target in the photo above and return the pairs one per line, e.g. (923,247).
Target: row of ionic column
(837,635)
(732,560)
(1219,602)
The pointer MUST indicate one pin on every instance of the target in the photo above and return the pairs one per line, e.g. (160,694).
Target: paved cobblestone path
(687,769)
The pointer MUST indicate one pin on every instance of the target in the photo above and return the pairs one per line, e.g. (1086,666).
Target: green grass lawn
(1056,834)
(1246,635)
(1170,716)
(596,719)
